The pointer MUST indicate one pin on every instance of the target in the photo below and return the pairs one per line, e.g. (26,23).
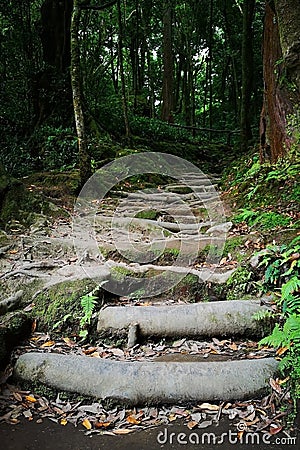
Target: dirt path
(138,245)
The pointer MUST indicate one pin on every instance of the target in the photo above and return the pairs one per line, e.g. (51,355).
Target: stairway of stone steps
(154,381)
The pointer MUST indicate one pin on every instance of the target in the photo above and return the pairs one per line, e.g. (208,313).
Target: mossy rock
(14,327)
(19,204)
(59,308)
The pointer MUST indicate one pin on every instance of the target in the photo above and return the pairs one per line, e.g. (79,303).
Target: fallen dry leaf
(281,351)
(90,350)
(47,344)
(63,422)
(192,424)
(275,430)
(276,386)
(233,346)
(133,420)
(172,417)
(69,342)
(123,431)
(102,424)
(87,424)
(209,407)
(17,396)
(30,398)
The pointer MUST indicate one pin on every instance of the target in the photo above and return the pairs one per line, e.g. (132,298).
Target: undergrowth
(267,195)
(282,275)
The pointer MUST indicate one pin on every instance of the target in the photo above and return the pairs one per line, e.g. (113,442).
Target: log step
(148,382)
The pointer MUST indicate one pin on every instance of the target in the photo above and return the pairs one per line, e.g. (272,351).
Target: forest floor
(33,417)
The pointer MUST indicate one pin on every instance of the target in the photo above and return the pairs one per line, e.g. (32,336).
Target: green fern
(286,336)
(88,303)
(293,285)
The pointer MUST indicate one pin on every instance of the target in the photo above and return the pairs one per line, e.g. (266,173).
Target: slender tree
(122,73)
(247,72)
(84,157)
(168,64)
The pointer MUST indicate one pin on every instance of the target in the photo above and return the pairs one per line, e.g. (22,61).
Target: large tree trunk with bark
(51,87)
(281,63)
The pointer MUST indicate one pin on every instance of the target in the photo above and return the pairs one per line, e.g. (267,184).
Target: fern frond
(88,303)
(293,285)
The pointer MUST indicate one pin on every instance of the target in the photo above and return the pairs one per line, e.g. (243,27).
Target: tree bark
(288,16)
(247,72)
(122,75)
(84,157)
(279,99)
(168,65)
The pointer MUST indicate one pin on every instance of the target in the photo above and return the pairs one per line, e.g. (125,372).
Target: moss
(119,273)
(150,214)
(240,283)
(60,306)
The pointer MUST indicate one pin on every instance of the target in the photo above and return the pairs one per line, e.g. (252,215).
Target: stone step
(148,382)
(221,318)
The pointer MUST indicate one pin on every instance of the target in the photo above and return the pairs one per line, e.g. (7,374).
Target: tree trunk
(247,72)
(168,65)
(122,76)
(288,16)
(84,157)
(51,87)
(281,63)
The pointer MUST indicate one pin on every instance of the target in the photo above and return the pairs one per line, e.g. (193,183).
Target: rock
(11,302)
(221,228)
(152,382)
(201,319)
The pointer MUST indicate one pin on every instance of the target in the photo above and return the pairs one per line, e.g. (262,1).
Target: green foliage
(253,186)
(262,220)
(288,336)
(158,130)
(282,273)
(88,303)
(239,283)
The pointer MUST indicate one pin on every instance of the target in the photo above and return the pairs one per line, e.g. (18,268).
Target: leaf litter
(266,415)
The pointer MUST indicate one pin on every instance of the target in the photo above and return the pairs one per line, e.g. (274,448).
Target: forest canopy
(158,70)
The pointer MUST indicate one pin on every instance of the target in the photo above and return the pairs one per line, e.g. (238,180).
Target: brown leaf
(192,424)
(132,419)
(276,386)
(30,398)
(281,351)
(172,417)
(102,424)
(47,344)
(90,350)
(240,435)
(17,396)
(69,342)
(87,424)
(275,430)
(209,407)
(233,346)
(123,431)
